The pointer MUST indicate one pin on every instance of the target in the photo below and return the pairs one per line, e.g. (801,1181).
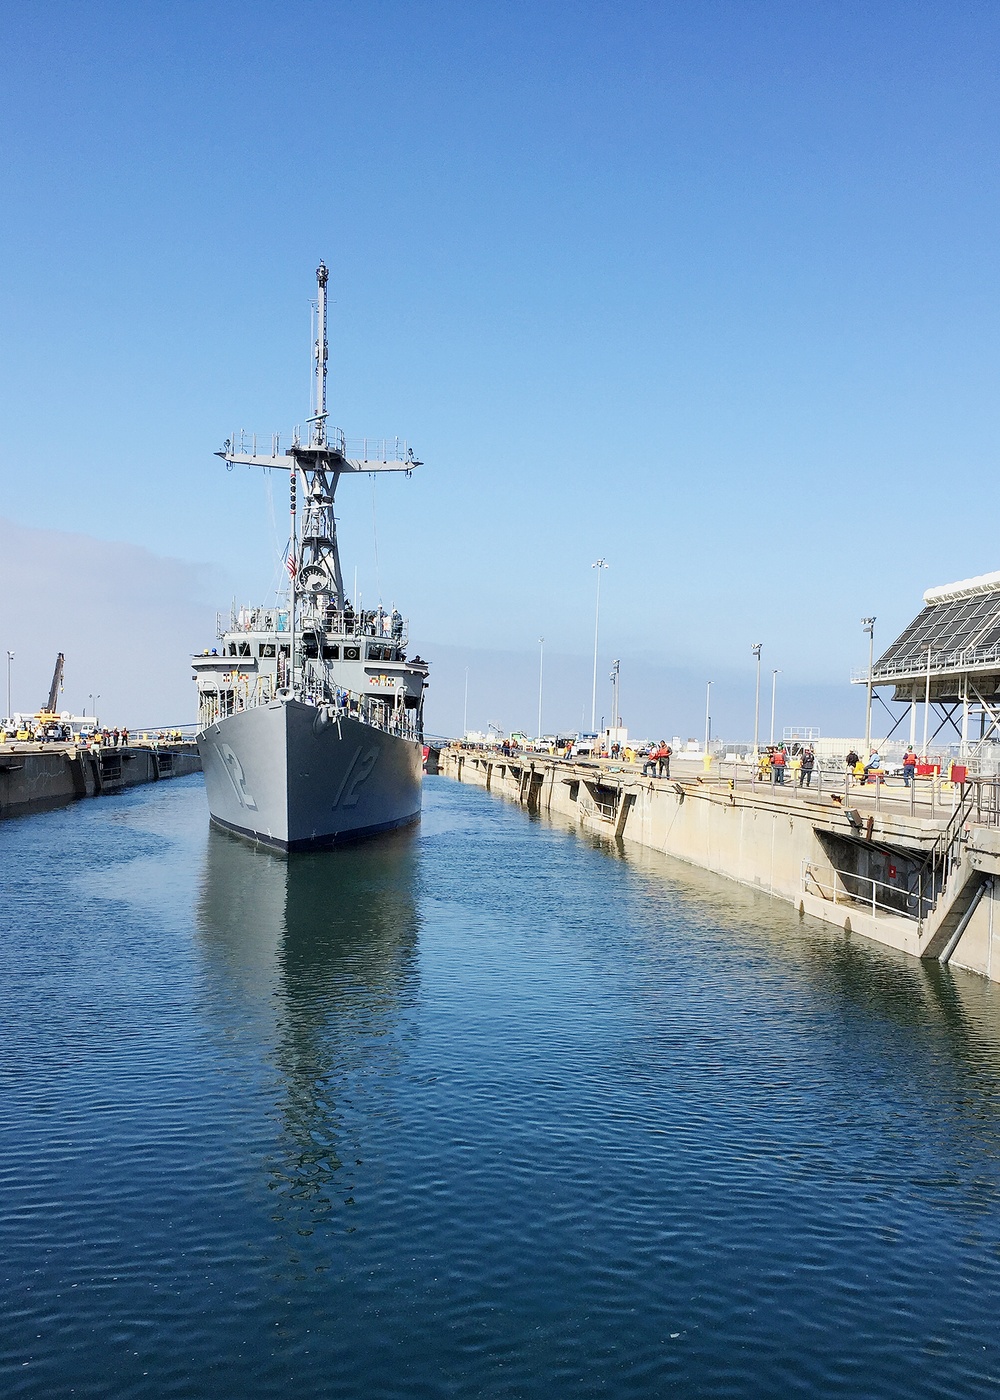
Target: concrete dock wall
(33,778)
(792,844)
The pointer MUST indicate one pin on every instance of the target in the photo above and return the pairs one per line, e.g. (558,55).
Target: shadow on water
(322,950)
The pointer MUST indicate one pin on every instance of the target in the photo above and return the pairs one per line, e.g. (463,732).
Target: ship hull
(288,776)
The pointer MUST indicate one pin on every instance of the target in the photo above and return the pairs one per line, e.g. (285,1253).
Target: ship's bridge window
(330,653)
(244,648)
(265,649)
(377,652)
(232,648)
(352,653)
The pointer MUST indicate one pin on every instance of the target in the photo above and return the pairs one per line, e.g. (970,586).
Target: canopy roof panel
(965,588)
(959,625)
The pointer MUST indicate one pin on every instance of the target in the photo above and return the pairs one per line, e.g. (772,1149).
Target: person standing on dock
(657,764)
(806,768)
(778,761)
(909,766)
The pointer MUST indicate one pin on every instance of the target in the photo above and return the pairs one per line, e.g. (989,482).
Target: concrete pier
(914,873)
(34,777)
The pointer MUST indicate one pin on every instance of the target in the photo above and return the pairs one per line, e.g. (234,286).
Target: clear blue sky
(708,289)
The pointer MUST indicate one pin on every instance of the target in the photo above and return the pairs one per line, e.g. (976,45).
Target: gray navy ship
(310,716)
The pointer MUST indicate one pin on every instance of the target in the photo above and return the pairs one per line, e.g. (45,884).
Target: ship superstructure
(310,714)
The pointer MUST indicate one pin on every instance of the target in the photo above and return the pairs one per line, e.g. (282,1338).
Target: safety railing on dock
(927,791)
(926,795)
(984,801)
(591,806)
(862,891)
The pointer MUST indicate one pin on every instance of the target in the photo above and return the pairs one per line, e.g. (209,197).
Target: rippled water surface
(480,1110)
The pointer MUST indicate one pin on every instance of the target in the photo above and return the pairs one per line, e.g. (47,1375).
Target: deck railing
(961,659)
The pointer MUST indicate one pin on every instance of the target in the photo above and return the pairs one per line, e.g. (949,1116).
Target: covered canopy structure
(948,660)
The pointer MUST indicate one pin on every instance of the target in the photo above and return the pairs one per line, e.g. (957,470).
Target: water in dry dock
(478,1111)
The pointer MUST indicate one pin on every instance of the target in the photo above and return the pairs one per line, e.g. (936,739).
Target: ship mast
(321,461)
(320,355)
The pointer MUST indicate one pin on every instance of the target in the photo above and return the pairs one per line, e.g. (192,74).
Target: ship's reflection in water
(477,1110)
(317,955)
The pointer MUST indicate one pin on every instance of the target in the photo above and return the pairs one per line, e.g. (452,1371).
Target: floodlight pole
(600,565)
(927,704)
(868,623)
(465,721)
(708,715)
(755,648)
(774,687)
(541,658)
(615,718)
(10,658)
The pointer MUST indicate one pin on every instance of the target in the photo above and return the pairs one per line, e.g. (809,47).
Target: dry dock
(914,870)
(34,777)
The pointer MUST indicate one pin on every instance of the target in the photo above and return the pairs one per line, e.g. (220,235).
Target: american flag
(290,565)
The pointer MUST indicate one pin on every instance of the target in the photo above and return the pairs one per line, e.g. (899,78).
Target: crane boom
(57,676)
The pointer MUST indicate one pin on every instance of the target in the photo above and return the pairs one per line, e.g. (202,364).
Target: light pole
(465,717)
(10,658)
(600,565)
(708,715)
(774,687)
(93,704)
(615,717)
(541,661)
(868,623)
(755,647)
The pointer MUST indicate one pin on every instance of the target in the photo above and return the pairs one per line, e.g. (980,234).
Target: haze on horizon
(708,291)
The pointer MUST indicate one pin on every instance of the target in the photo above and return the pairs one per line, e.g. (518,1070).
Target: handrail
(942,857)
(365,449)
(808,874)
(959,659)
(985,794)
(385,712)
(347,622)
